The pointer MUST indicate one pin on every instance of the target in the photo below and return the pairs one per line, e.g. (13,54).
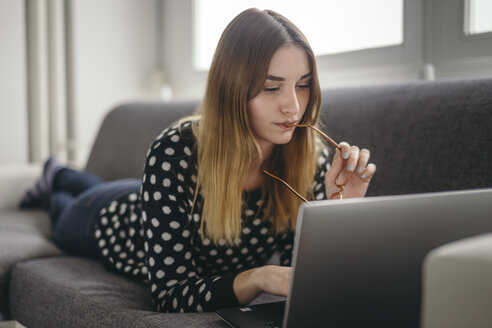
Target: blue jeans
(78,204)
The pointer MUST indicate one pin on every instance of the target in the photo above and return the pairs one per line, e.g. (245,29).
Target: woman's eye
(304,86)
(271,89)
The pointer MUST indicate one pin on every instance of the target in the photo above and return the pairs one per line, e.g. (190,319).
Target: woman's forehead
(289,63)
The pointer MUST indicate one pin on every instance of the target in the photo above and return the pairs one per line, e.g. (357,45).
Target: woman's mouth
(286,125)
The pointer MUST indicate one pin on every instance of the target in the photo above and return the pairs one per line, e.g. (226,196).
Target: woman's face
(283,99)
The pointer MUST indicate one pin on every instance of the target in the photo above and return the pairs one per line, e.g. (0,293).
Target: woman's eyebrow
(278,78)
(305,76)
(275,78)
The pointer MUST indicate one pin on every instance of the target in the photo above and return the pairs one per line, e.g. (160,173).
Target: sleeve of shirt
(286,243)
(167,199)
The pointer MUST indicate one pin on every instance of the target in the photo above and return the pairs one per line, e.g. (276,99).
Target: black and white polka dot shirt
(154,237)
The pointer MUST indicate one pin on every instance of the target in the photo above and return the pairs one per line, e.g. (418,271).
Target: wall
(114,60)
(64,64)
(184,80)
(13,105)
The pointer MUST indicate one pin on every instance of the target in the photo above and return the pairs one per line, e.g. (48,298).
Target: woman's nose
(290,103)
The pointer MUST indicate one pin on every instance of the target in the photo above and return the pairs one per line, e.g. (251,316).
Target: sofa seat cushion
(80,292)
(24,235)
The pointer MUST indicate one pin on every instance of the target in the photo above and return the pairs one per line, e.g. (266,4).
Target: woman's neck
(255,177)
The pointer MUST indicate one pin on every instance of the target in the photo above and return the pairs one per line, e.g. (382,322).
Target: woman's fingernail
(345,155)
(350,167)
(359,169)
(363,176)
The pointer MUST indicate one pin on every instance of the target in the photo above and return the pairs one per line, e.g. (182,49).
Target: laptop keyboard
(272,324)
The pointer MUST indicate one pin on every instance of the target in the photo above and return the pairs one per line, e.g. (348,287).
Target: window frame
(455,53)
(433,33)
(466,23)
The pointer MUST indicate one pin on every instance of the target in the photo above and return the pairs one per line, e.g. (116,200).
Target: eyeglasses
(340,186)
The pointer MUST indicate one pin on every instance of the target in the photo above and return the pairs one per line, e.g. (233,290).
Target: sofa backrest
(126,133)
(423,136)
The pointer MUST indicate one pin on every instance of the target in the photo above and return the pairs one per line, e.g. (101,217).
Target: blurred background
(65,63)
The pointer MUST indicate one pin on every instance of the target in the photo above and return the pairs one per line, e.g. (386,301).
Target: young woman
(206,219)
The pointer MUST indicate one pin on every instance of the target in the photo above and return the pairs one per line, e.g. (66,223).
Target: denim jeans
(74,228)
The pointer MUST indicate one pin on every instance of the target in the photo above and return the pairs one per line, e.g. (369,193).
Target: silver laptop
(358,262)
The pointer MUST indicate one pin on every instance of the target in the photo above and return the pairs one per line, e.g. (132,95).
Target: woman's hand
(350,160)
(272,279)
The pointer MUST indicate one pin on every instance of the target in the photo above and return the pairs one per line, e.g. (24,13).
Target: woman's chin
(283,140)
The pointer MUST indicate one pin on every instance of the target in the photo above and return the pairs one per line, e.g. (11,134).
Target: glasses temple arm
(330,140)
(287,185)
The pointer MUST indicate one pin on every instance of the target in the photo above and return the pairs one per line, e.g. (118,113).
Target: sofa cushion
(423,136)
(24,235)
(126,133)
(458,285)
(79,292)
(15,181)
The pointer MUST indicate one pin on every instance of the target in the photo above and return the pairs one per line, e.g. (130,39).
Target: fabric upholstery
(126,133)
(14,181)
(78,292)
(23,235)
(458,284)
(424,137)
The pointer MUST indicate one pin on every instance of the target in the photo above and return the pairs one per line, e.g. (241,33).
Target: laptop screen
(358,263)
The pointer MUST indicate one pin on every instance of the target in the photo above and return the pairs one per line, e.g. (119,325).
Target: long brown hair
(225,140)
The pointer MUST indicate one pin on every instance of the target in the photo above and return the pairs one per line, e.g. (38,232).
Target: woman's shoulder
(177,140)
(179,131)
(173,151)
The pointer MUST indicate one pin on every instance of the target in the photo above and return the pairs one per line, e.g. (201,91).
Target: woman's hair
(226,145)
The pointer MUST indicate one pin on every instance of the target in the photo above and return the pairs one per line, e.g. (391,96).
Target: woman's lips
(286,125)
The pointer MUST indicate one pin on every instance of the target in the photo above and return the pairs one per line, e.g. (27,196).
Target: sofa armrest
(14,182)
(458,284)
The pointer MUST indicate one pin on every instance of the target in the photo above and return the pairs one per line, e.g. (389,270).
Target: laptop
(358,262)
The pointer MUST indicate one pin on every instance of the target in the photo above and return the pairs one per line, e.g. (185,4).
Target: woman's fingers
(365,171)
(336,167)
(350,169)
(353,158)
(362,163)
(344,150)
(345,168)
(367,174)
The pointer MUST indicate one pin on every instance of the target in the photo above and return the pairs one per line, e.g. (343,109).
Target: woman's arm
(270,279)
(178,283)
(274,279)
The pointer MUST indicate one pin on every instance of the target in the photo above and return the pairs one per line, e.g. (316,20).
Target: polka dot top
(153,235)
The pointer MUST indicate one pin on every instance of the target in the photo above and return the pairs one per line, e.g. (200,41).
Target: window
(478,15)
(331,26)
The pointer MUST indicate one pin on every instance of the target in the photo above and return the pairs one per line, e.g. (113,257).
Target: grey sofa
(424,137)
